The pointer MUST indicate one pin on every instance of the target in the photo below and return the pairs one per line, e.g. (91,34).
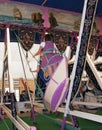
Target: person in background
(89,87)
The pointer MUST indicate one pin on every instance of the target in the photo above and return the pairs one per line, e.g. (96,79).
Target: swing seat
(56,96)
(57,88)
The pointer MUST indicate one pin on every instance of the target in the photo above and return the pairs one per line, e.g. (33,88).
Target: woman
(50,56)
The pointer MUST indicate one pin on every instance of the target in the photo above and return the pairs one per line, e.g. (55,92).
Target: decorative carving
(37,18)
(77,24)
(52,20)
(26,37)
(17,14)
(61,40)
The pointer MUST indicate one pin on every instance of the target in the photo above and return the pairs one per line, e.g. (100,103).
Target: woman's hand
(30,69)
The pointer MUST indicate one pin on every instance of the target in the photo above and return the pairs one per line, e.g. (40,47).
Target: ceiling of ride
(69,5)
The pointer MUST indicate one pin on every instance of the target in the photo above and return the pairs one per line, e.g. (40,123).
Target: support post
(87,21)
(10,78)
(13,108)
(32,114)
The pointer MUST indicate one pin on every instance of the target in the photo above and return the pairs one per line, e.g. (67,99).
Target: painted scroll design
(89,17)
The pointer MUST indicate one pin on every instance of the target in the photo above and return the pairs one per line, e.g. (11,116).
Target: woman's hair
(48,37)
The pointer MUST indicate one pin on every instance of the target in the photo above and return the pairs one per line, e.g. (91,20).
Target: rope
(33,75)
(24,72)
(68,126)
(55,121)
(39,89)
(35,80)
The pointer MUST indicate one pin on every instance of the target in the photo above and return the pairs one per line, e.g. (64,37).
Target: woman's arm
(38,52)
(37,69)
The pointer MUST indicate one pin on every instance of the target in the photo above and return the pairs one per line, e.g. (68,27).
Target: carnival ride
(60,87)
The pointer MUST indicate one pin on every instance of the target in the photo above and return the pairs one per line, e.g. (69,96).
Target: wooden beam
(83,115)
(19,123)
(87,103)
(15,122)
